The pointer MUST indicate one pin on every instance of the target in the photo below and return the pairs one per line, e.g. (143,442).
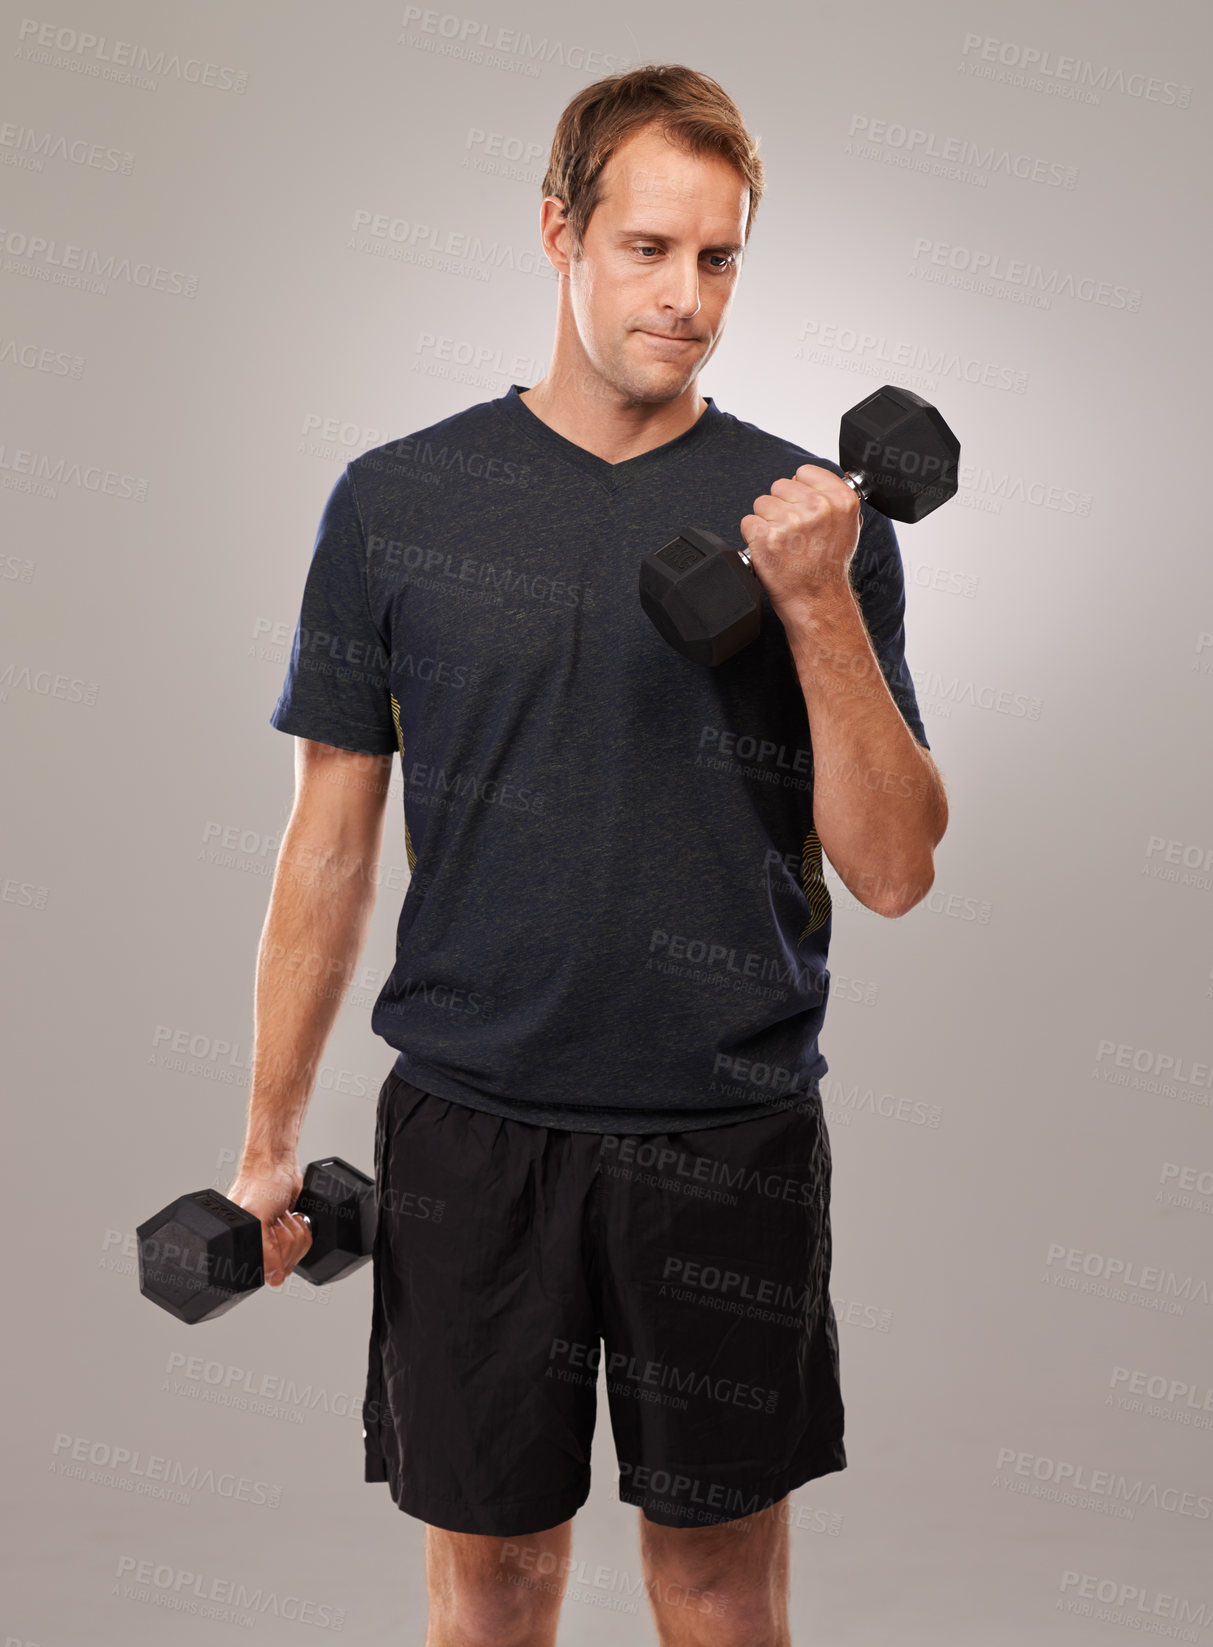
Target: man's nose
(680,289)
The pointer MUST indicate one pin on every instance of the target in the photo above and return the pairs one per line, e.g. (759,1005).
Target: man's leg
(724,1299)
(496,1592)
(480,1408)
(721,1586)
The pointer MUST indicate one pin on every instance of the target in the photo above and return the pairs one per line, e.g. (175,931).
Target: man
(604,1119)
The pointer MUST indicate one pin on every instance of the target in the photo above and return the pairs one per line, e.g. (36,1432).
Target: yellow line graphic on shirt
(813,881)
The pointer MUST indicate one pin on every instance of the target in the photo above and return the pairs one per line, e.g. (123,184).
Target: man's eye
(722,260)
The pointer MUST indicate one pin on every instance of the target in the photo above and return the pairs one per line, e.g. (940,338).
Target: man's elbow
(898,896)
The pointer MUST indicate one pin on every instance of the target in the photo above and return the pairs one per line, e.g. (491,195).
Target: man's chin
(650,396)
(658,383)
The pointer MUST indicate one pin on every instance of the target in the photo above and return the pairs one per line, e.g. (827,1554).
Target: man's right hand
(269,1189)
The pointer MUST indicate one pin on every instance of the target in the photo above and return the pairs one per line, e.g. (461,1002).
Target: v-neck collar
(610,475)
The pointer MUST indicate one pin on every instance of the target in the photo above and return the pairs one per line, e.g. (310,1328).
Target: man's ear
(555,228)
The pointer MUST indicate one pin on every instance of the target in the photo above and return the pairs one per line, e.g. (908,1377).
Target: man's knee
(492,1591)
(736,1559)
(497,1616)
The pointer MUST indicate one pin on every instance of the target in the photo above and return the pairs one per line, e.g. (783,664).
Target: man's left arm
(879,804)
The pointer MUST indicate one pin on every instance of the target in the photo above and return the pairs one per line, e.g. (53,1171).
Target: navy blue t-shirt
(616,918)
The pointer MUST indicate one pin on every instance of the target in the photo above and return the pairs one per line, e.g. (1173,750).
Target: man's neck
(618,435)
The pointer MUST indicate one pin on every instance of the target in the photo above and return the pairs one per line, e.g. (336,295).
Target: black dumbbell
(706,599)
(200,1255)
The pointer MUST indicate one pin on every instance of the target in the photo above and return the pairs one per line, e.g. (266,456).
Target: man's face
(661,255)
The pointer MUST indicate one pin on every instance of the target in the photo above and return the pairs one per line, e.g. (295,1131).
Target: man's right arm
(319,913)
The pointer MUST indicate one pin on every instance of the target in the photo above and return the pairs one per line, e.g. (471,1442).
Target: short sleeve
(337,687)
(878,578)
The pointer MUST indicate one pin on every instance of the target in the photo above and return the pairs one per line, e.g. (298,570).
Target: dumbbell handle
(860,483)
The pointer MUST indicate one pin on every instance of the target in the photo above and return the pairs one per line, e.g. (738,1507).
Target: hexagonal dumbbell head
(701,596)
(199,1256)
(202,1253)
(340,1201)
(902,442)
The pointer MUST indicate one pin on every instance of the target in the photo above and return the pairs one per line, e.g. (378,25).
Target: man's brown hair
(693,110)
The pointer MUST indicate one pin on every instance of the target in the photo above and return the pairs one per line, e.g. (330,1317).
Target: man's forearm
(315,928)
(879,805)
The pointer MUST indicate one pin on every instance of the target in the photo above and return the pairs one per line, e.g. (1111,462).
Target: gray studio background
(318,229)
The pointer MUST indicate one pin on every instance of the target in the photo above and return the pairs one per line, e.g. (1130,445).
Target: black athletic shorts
(512,1260)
